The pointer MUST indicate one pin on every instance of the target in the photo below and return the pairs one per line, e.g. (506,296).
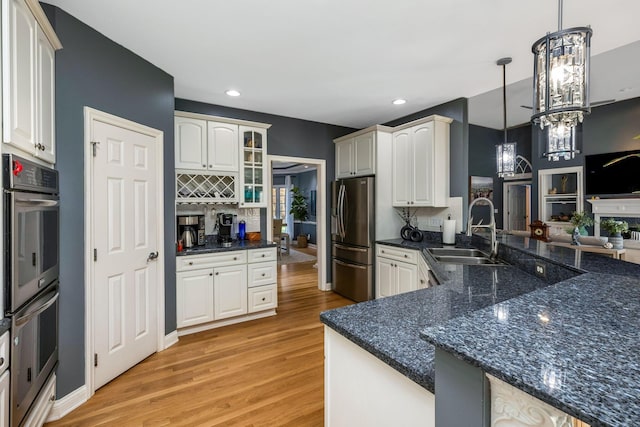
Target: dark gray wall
(286,137)
(93,71)
(608,129)
(459,143)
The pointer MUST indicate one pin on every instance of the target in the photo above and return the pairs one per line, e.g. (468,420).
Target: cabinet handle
(421,281)
(1,361)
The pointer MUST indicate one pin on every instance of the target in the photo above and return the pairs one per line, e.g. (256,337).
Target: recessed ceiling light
(399,101)
(232,92)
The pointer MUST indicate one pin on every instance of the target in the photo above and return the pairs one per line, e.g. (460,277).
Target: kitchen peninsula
(483,315)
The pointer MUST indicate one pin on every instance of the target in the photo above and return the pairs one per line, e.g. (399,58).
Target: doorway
(276,207)
(517,205)
(124,286)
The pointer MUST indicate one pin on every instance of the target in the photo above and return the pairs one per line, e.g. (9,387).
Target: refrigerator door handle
(347,248)
(343,232)
(361,267)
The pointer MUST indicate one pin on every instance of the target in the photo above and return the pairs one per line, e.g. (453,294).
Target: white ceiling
(343,62)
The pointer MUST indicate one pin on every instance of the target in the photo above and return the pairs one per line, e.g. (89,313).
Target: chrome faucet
(491,226)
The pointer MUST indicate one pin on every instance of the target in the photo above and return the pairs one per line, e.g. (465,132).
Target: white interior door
(125,234)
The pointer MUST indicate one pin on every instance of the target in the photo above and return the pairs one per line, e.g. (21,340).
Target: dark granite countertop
(236,245)
(573,345)
(391,328)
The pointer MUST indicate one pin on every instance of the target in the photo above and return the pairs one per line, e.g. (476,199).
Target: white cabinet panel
(344,159)
(4,399)
(45,114)
(356,156)
(402,168)
(229,291)
(222,143)
(396,270)
(194,297)
(263,298)
(262,273)
(261,255)
(406,276)
(385,278)
(190,143)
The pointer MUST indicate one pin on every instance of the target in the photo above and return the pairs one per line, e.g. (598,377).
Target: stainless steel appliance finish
(31,230)
(352,224)
(34,350)
(225,227)
(31,227)
(191,230)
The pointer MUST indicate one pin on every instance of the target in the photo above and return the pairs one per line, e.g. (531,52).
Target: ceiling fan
(593,104)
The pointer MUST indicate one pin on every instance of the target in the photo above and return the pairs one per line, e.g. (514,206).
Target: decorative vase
(575,237)
(616,241)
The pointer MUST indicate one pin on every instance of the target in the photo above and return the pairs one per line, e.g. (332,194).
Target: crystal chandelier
(505,152)
(561,85)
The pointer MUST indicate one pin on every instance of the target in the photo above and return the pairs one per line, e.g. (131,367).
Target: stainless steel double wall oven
(32,237)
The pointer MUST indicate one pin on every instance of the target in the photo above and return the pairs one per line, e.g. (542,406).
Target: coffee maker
(224,223)
(191,230)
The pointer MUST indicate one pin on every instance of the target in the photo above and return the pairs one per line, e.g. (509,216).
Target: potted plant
(579,220)
(299,212)
(615,229)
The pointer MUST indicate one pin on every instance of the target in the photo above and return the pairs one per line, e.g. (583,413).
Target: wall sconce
(561,83)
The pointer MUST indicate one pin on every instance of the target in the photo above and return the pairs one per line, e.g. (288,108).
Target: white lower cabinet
(225,285)
(396,270)
(4,399)
(229,291)
(194,297)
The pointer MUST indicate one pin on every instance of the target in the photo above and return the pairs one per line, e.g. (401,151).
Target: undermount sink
(464,256)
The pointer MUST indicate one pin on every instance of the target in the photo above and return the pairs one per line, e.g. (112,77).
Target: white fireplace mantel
(626,208)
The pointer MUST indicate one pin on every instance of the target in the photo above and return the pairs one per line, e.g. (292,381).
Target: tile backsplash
(250,216)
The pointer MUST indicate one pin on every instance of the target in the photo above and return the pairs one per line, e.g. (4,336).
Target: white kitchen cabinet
(356,156)
(222,147)
(420,163)
(262,272)
(224,285)
(396,270)
(28,46)
(253,179)
(194,297)
(4,399)
(423,274)
(206,145)
(229,291)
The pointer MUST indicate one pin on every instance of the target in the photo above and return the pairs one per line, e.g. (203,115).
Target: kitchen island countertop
(394,329)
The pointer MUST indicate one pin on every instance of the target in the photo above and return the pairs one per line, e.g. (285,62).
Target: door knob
(152,256)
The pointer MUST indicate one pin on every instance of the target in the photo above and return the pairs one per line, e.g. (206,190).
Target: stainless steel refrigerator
(352,236)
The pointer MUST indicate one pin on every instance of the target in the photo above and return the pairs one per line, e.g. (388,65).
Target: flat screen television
(613,174)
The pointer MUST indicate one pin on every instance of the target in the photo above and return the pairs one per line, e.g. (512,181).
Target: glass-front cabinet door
(253,174)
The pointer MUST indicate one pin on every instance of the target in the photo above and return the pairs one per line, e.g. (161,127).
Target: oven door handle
(31,314)
(39,202)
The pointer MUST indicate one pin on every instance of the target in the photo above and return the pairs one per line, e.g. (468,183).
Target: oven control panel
(25,175)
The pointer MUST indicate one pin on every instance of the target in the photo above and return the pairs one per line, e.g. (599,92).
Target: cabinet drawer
(262,273)
(260,255)
(263,298)
(398,254)
(196,262)
(4,351)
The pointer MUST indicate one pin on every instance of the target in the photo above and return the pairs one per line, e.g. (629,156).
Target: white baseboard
(170,339)
(327,287)
(68,403)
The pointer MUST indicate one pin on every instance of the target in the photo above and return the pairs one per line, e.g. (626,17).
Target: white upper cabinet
(421,163)
(191,143)
(356,156)
(222,147)
(253,176)
(28,83)
(206,145)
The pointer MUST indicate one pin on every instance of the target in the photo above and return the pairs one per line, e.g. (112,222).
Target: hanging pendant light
(505,152)
(561,86)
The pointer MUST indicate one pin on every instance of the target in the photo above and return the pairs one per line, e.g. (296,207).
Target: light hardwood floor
(258,373)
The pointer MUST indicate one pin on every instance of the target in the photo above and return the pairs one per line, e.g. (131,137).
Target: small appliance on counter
(191,230)
(224,224)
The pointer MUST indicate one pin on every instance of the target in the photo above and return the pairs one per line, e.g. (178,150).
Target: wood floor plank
(266,372)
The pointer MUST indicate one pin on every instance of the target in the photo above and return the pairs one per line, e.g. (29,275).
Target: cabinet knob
(1,361)
(211,274)
(263,298)
(235,258)
(211,166)
(190,262)
(263,255)
(217,272)
(263,274)
(204,166)
(422,281)
(406,256)
(382,251)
